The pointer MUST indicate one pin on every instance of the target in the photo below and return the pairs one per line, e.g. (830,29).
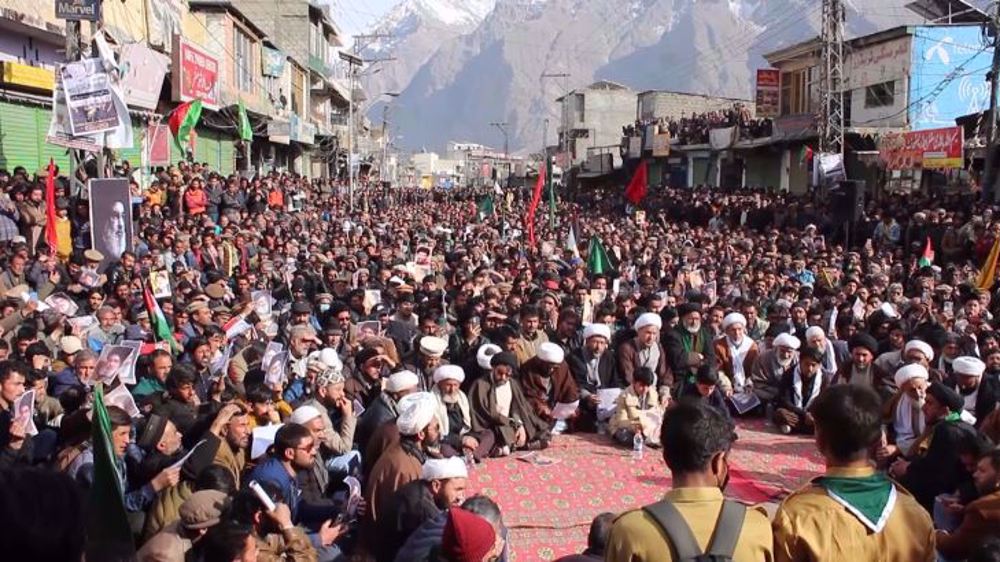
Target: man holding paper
(593,367)
(548,384)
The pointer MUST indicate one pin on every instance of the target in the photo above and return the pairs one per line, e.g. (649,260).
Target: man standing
(500,407)
(693,517)
(852,512)
(546,381)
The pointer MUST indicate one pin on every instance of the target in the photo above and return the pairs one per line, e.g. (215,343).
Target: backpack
(685,548)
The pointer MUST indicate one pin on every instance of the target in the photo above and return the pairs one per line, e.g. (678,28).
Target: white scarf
(797,388)
(906,432)
(739,354)
(442,411)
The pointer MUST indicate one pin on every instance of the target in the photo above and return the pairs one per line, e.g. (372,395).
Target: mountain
(462,65)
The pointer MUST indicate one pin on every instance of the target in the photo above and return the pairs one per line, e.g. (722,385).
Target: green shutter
(134,154)
(23,129)
(227,148)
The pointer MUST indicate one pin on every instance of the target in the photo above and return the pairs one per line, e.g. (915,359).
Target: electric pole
(990,192)
(831,122)
(563,76)
(73,48)
(506,153)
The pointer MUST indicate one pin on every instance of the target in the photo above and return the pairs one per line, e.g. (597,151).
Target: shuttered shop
(22,138)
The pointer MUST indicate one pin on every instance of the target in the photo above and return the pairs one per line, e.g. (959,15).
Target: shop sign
(932,149)
(196,75)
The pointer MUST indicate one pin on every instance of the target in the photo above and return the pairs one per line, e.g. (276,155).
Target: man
(860,369)
(385,408)
(154,383)
(816,339)
(980,395)
(689,344)
(293,452)
(364,386)
(232,440)
(597,540)
(934,466)
(426,359)
(645,350)
(772,365)
(546,381)
(199,513)
(500,407)
(455,417)
(530,336)
(696,442)
(736,354)
(276,536)
(81,373)
(852,512)
(593,367)
(903,414)
(15,444)
(441,485)
(914,351)
(798,389)
(337,438)
(980,518)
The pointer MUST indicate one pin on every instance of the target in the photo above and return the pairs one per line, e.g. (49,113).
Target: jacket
(382,410)
(561,386)
(980,521)
(607,371)
(335,441)
(291,546)
(627,410)
(628,362)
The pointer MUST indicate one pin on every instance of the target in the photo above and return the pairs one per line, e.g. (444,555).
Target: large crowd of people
(268,373)
(696,128)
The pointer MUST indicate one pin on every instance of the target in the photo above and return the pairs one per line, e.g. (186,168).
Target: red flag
(637,188)
(536,197)
(51,238)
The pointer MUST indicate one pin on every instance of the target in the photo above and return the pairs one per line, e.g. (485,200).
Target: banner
(89,98)
(196,75)
(721,139)
(143,70)
(272,62)
(78,10)
(932,149)
(158,145)
(110,218)
(831,167)
(634,147)
(768,89)
(661,144)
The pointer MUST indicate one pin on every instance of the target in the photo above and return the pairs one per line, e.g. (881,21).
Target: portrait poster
(62,303)
(126,373)
(122,398)
(159,283)
(89,98)
(111,227)
(109,364)
(24,412)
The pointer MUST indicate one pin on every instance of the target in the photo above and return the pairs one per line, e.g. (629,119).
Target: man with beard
(364,385)
(441,485)
(276,536)
(852,512)
(546,382)
(979,394)
(914,351)
(426,359)
(934,466)
(772,365)
(903,414)
(696,442)
(455,417)
(689,344)
(860,369)
(385,409)
(593,366)
(339,422)
(500,407)
(816,339)
(645,350)
(981,518)
(231,440)
(798,390)
(736,354)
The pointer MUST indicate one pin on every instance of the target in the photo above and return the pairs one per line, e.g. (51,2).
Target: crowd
(695,128)
(314,382)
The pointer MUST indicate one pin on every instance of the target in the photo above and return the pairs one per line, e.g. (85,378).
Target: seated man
(594,368)
(903,414)
(933,465)
(772,365)
(798,389)
(736,354)
(384,409)
(706,387)
(455,417)
(981,518)
(546,381)
(980,394)
(852,512)
(637,410)
(500,407)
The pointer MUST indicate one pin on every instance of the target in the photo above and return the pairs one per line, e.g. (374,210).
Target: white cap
(304,414)
(486,353)
(402,380)
(969,366)
(910,372)
(416,411)
(733,318)
(449,372)
(443,469)
(889,310)
(921,346)
(330,358)
(814,331)
(648,319)
(551,353)
(70,344)
(785,339)
(597,330)
(433,346)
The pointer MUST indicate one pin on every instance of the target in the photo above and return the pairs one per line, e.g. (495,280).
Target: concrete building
(592,119)
(661,104)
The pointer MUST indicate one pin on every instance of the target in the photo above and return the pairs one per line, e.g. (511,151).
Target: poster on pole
(89,99)
(110,218)
(661,145)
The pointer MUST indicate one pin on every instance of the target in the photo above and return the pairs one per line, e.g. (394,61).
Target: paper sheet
(180,462)
(122,398)
(563,411)
(263,438)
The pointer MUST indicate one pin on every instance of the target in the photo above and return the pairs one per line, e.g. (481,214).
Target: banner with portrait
(111,227)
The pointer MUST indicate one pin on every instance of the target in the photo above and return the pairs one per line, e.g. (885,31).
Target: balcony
(319,66)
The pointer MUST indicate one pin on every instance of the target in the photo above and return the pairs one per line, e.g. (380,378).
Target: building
(592,119)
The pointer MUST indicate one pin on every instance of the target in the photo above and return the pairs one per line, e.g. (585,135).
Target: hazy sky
(355,16)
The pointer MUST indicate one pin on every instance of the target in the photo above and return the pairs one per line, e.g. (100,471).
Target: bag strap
(728,527)
(684,545)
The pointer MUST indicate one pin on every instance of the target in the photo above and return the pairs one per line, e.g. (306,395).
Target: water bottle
(638,443)
(470,460)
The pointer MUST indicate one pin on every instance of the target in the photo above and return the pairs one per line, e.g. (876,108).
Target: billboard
(196,74)
(931,149)
(143,70)
(78,10)
(768,88)
(956,57)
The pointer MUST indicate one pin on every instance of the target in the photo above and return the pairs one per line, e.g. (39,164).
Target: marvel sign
(196,74)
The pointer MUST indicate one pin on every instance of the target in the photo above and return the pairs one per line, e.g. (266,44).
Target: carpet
(548,509)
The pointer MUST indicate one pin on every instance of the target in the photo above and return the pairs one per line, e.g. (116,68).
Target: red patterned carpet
(549,508)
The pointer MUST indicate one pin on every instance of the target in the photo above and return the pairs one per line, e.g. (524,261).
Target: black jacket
(607,370)
(939,470)
(382,410)
(675,343)
(411,506)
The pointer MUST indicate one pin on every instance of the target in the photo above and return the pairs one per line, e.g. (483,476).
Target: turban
(909,372)
(733,318)
(946,396)
(648,319)
(304,414)
(433,346)
(968,366)
(814,331)
(787,340)
(485,354)
(551,353)
(449,372)
(504,358)
(921,346)
(402,381)
(861,339)
(416,412)
(443,469)
(597,330)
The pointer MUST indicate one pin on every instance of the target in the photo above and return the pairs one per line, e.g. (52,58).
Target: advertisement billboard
(932,149)
(956,57)
(196,74)
(768,88)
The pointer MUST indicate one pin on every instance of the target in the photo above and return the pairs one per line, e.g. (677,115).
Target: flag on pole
(806,154)
(598,262)
(486,208)
(927,258)
(571,243)
(183,120)
(51,238)
(638,187)
(987,275)
(536,197)
(107,521)
(245,130)
(161,330)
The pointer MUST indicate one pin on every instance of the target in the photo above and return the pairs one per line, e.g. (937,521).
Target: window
(795,92)
(580,115)
(298,91)
(880,95)
(243,51)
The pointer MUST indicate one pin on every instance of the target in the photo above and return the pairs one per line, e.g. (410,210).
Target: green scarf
(869,498)
(953,417)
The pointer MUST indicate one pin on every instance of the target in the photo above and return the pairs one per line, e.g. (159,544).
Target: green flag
(597,258)
(486,208)
(107,522)
(183,120)
(246,131)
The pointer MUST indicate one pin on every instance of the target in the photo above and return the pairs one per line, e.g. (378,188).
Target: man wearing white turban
(735,354)
(594,368)
(546,381)
(646,350)
(904,416)
(772,365)
(455,416)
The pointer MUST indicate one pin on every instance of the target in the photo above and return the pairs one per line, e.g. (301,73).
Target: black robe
(937,468)
(483,402)
(412,505)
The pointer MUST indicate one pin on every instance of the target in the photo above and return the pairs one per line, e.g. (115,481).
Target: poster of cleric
(110,218)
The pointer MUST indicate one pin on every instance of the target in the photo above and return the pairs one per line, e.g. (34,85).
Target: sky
(357,16)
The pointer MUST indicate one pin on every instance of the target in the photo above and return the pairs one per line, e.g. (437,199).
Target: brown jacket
(980,522)
(564,389)
(233,461)
(628,362)
(724,361)
(293,546)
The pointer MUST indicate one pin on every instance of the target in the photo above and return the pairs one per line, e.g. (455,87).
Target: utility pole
(562,76)
(506,153)
(831,121)
(990,192)
(73,48)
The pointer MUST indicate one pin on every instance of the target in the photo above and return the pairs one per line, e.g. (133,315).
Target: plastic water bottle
(470,460)
(638,444)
